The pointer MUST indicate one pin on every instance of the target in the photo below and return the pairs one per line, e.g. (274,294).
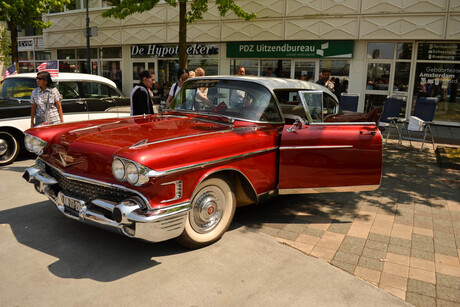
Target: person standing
(141,97)
(46,102)
(182,76)
(237,96)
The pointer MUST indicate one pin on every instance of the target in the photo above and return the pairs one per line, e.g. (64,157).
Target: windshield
(19,88)
(232,98)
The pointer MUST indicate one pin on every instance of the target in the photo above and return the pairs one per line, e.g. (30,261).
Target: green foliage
(123,8)
(28,12)
(5,46)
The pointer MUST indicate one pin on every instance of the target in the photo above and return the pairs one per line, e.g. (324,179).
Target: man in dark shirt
(141,102)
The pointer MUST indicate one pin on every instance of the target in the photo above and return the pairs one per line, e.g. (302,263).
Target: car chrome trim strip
(316,147)
(343,124)
(205,164)
(356,188)
(177,190)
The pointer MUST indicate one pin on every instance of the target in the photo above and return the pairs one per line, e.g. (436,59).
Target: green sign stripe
(291,49)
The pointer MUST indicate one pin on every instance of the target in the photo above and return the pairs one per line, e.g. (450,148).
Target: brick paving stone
(370,263)
(449,260)
(423,231)
(354,240)
(376,245)
(449,294)
(409,221)
(420,300)
(423,222)
(374,253)
(422,264)
(339,228)
(369,275)
(396,269)
(422,254)
(421,287)
(398,259)
(387,279)
(400,242)
(443,227)
(303,247)
(422,275)
(297,228)
(289,235)
(314,232)
(422,243)
(346,257)
(351,248)
(379,237)
(323,253)
(444,303)
(395,292)
(448,281)
(307,239)
(348,267)
(446,250)
(400,250)
(453,270)
(445,241)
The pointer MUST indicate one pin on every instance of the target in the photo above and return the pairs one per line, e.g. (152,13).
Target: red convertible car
(224,142)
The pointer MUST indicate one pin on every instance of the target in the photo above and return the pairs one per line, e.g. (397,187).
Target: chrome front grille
(84,190)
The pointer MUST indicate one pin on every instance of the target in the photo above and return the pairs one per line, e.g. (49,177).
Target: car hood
(160,142)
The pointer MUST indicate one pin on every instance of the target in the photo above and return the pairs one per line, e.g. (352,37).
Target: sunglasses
(38,78)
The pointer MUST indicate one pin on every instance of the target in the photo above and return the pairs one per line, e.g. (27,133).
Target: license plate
(71,203)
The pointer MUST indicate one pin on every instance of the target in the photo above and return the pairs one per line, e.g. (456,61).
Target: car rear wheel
(9,147)
(213,208)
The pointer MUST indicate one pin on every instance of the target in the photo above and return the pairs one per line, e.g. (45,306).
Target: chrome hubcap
(208,209)
(3,147)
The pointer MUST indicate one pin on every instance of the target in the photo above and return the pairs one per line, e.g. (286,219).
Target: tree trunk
(14,42)
(182,34)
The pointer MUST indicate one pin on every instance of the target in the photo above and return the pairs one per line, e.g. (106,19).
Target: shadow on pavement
(82,251)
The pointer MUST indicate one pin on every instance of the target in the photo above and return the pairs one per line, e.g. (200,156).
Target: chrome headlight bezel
(118,169)
(134,173)
(34,144)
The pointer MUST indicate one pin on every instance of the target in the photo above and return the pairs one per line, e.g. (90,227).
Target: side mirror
(297,125)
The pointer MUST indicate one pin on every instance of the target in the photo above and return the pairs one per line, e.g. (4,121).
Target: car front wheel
(213,208)
(9,147)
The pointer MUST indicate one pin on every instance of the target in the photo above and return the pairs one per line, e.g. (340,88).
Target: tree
(123,8)
(20,13)
(5,46)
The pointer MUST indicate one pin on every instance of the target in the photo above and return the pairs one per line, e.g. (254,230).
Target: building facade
(376,49)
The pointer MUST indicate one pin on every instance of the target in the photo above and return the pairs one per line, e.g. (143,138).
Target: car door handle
(109,100)
(80,101)
(367,132)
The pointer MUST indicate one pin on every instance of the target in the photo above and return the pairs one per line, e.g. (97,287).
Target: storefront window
(42,55)
(66,54)
(305,68)
(112,71)
(81,53)
(439,80)
(380,50)
(67,66)
(280,68)
(378,76)
(167,73)
(111,52)
(404,51)
(251,66)
(210,66)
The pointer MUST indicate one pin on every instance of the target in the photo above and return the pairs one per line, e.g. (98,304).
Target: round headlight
(28,142)
(118,169)
(132,174)
(35,145)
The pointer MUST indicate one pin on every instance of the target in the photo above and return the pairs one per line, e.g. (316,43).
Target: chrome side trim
(316,147)
(356,188)
(177,190)
(205,164)
(343,123)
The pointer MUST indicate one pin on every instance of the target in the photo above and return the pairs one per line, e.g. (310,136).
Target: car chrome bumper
(153,225)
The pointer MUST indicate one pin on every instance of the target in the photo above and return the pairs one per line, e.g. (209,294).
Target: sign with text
(161,51)
(439,51)
(291,49)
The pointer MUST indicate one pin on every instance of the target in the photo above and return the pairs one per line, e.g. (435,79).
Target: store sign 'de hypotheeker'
(172,50)
(290,49)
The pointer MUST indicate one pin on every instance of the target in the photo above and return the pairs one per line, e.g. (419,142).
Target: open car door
(318,156)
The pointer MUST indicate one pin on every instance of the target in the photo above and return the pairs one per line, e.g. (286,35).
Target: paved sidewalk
(403,238)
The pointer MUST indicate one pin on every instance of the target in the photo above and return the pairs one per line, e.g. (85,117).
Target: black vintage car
(84,97)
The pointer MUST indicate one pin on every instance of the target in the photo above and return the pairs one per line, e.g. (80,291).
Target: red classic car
(224,142)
